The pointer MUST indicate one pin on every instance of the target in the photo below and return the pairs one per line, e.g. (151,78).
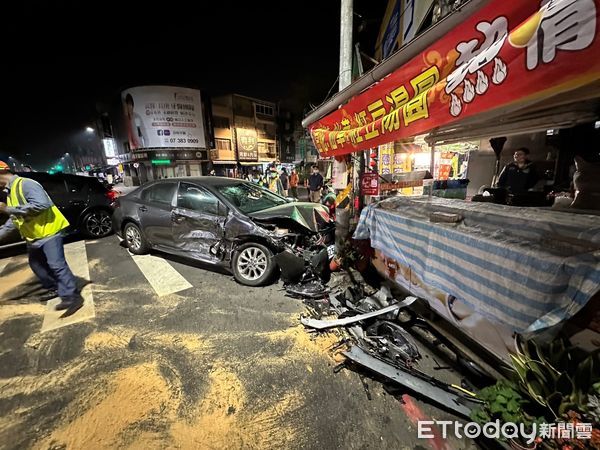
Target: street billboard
(163,116)
(110,148)
(247,144)
(390,37)
(413,15)
(505,54)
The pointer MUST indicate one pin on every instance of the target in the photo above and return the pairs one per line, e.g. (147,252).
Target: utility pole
(363,155)
(345,79)
(346,44)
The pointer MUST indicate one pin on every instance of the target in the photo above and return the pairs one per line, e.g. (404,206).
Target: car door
(56,188)
(154,212)
(198,221)
(77,197)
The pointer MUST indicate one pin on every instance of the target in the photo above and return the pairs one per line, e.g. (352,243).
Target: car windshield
(250,198)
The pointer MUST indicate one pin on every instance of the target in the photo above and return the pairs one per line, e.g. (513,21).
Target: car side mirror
(291,199)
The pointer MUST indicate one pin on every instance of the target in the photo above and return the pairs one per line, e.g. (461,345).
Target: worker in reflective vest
(40,223)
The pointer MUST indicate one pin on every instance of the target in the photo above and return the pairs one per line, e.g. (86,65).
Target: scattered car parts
(323,324)
(451,401)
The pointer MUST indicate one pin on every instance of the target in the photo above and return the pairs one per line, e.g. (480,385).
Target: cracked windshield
(250,198)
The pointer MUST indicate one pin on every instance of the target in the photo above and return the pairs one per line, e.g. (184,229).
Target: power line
(329,92)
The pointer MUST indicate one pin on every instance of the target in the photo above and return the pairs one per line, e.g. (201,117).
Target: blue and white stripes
(505,263)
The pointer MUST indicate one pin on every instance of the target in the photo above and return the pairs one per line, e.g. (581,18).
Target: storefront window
(406,166)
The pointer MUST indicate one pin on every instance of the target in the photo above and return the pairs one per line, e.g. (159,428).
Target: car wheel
(135,240)
(97,224)
(253,264)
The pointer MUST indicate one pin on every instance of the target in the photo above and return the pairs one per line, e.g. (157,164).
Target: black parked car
(223,221)
(84,201)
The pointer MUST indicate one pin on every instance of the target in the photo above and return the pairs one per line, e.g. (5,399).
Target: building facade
(245,134)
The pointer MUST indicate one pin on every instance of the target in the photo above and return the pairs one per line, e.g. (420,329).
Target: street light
(89,130)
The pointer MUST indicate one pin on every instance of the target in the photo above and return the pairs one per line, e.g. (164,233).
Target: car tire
(253,264)
(97,224)
(135,240)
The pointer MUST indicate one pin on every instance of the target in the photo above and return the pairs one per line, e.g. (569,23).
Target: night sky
(60,58)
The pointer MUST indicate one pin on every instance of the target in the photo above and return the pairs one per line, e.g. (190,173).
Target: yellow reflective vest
(45,224)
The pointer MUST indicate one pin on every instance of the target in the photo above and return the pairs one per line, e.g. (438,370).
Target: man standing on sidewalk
(40,223)
(285,181)
(315,184)
(294,183)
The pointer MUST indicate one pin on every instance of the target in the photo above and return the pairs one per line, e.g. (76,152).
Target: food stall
(493,69)
(403,165)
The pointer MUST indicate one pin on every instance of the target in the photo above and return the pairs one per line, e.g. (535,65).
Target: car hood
(310,215)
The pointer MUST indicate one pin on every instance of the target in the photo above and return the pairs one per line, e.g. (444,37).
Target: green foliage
(557,376)
(502,401)
(550,381)
(592,408)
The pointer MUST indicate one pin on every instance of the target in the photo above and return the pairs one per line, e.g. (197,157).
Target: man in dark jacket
(285,182)
(315,184)
(520,175)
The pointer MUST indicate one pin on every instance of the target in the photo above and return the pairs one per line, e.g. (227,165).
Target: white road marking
(161,275)
(76,256)
(3,263)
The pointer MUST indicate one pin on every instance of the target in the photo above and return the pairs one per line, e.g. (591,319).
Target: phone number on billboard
(181,141)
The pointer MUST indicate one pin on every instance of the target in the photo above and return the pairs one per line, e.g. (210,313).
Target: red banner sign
(507,52)
(369,183)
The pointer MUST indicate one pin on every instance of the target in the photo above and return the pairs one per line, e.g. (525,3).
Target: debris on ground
(429,388)
(381,343)
(322,324)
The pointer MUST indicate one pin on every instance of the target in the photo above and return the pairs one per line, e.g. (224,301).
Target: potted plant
(552,383)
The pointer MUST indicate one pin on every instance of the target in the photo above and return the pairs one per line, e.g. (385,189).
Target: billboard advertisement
(163,116)
(247,144)
(505,54)
(110,148)
(390,37)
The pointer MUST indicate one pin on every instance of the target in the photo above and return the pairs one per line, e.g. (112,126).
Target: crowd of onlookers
(285,182)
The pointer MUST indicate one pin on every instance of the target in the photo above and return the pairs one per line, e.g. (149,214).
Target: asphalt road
(170,355)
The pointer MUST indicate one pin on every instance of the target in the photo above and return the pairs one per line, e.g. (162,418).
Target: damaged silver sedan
(223,221)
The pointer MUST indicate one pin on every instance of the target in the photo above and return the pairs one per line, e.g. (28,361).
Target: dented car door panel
(197,222)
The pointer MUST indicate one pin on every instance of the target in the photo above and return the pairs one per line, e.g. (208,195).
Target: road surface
(166,354)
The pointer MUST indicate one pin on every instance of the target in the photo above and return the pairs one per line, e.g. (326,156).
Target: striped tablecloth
(527,268)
